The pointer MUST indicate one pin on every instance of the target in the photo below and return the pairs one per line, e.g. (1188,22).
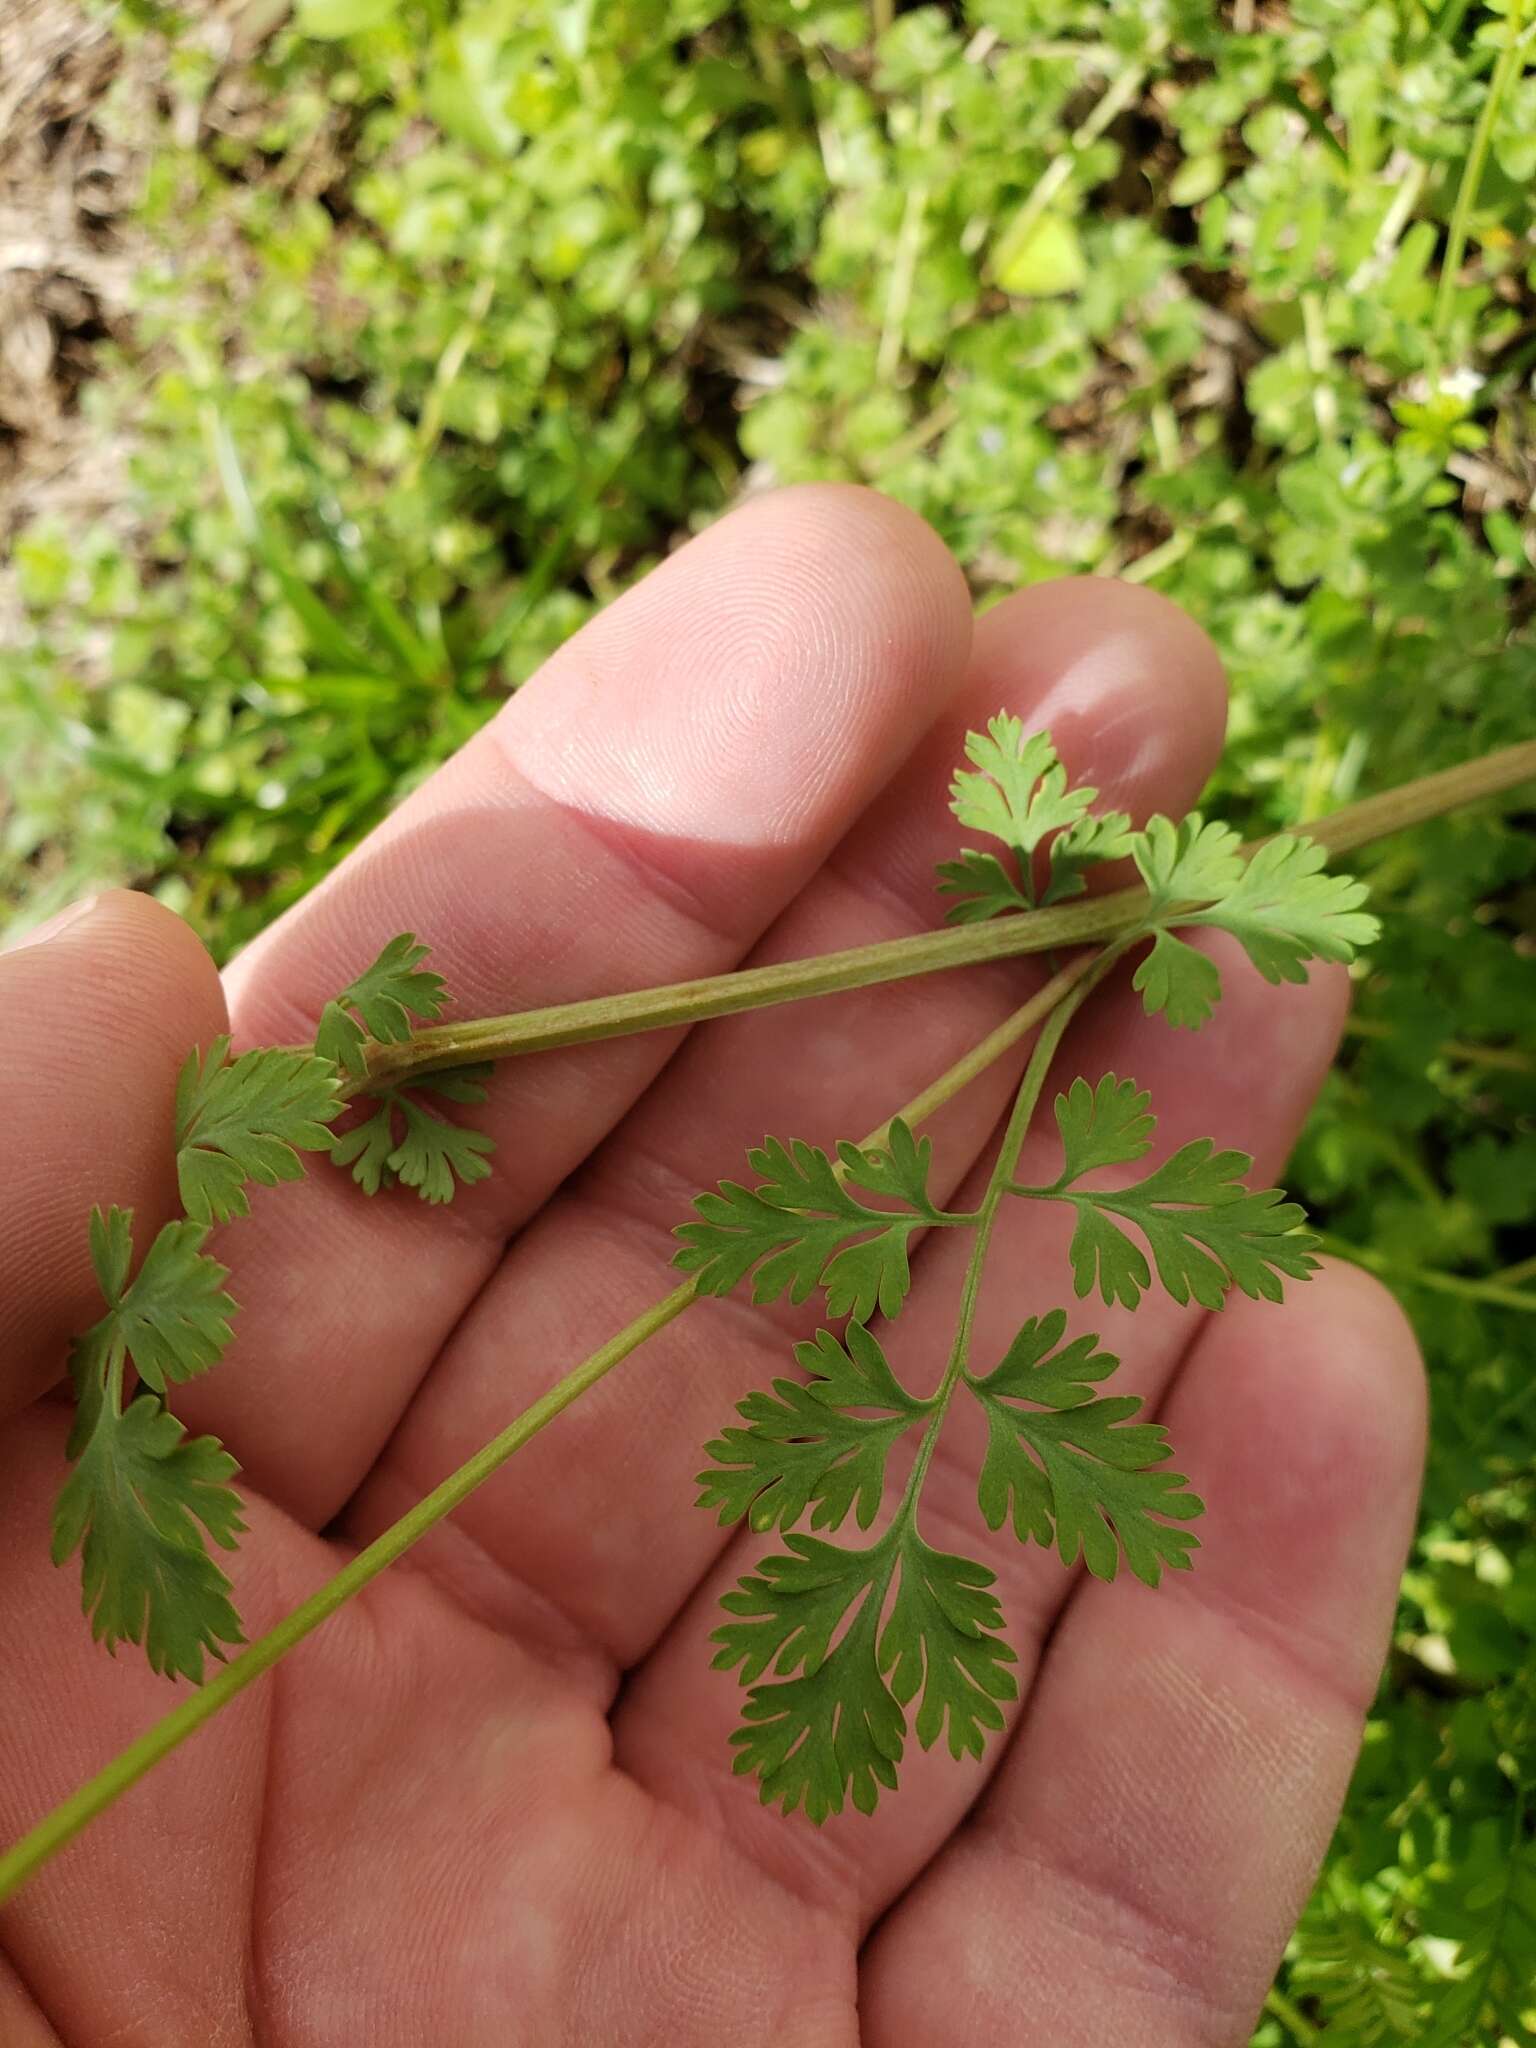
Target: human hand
(491,1801)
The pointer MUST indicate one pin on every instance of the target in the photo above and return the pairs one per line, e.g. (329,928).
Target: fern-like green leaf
(827,1727)
(1177,981)
(1075,1469)
(829,1724)
(1205,1229)
(801,1227)
(813,1445)
(1094,838)
(137,1503)
(403,1142)
(247,1120)
(1188,864)
(1106,1125)
(435,1157)
(1016,791)
(1286,910)
(943,1646)
(383,1003)
(1279,904)
(141,1494)
(982,888)
(173,1321)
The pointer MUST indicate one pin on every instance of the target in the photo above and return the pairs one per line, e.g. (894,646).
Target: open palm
(491,1801)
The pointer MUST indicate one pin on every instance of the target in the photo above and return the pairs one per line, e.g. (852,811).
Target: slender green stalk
(749,988)
(1325,405)
(770,64)
(1504,73)
(1063,926)
(1506,1058)
(1064,991)
(909,243)
(1117,96)
(125,1769)
(999,1185)
(1428,796)
(1157,559)
(451,362)
(1491,1292)
(1291,2017)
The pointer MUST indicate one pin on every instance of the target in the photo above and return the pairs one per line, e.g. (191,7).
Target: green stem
(1325,407)
(1157,559)
(452,360)
(750,988)
(1428,796)
(1063,926)
(26,1857)
(909,243)
(999,1185)
(1513,1275)
(1291,2017)
(1492,1292)
(1472,171)
(1122,89)
(125,1769)
(766,51)
(1509,1058)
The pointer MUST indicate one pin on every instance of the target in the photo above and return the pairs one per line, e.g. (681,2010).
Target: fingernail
(50,928)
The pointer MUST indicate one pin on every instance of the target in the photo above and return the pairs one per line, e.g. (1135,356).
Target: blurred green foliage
(462,314)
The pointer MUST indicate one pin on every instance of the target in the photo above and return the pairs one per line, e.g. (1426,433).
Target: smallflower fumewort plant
(856,1635)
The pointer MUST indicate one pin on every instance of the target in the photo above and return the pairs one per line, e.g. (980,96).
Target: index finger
(638,813)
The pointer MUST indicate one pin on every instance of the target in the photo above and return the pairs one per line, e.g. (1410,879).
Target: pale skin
(491,1801)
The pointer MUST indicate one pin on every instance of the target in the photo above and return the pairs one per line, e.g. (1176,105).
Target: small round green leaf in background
(1044,262)
(342,17)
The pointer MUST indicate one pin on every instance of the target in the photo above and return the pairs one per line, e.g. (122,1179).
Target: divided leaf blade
(801,1228)
(812,1446)
(136,1505)
(173,1320)
(1205,1229)
(943,1646)
(1074,1468)
(826,1727)
(247,1120)
(381,1004)
(1285,910)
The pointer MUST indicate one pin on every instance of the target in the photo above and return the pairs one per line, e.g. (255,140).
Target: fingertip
(786,661)
(101,1010)
(1131,689)
(147,957)
(1304,1430)
(1369,1372)
(867,525)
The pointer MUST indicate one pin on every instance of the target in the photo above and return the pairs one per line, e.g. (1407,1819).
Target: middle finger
(638,813)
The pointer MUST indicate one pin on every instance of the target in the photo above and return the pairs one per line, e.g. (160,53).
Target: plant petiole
(1098,919)
(999,1185)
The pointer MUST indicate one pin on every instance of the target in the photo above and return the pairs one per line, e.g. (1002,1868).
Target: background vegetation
(384,340)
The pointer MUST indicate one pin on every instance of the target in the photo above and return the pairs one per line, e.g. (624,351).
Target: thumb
(98,1008)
